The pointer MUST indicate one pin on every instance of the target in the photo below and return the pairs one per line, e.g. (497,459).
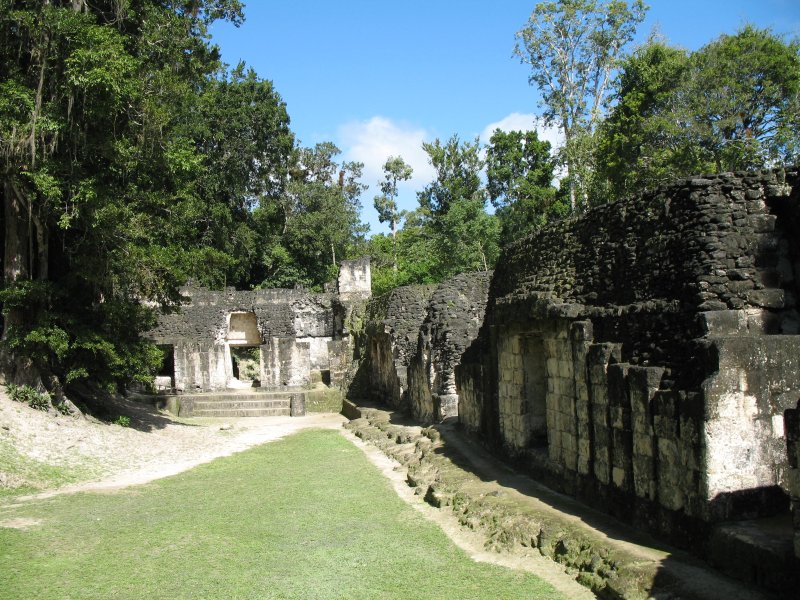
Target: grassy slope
(20,475)
(305,517)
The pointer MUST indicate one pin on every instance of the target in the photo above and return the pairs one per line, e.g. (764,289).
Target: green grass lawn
(304,517)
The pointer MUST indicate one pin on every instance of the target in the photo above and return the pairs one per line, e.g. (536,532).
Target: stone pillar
(285,362)
(619,405)
(581,334)
(643,382)
(598,358)
(670,454)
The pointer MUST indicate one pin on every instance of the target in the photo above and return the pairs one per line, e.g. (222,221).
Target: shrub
(30,396)
(123,421)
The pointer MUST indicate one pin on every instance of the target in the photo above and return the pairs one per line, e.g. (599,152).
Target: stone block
(665,427)
(767,298)
(643,445)
(618,476)
(724,322)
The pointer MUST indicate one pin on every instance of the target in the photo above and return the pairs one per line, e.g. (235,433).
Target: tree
(395,170)
(573,48)
(414,250)
(519,172)
(241,129)
(92,165)
(742,99)
(454,207)
(732,105)
(640,144)
(316,222)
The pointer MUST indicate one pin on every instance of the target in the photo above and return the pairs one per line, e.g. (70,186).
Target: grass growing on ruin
(305,517)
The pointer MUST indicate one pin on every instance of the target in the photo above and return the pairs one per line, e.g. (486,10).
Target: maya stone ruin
(643,356)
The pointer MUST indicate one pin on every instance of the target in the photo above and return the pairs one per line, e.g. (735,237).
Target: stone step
(242,412)
(233,397)
(759,551)
(240,404)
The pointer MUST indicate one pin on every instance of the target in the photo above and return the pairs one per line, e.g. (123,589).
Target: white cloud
(373,141)
(525,122)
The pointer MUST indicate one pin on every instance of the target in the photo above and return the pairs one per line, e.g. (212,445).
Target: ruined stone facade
(642,356)
(293,333)
(452,319)
(415,336)
(793,443)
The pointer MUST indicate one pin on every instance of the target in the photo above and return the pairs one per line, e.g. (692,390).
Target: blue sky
(379,78)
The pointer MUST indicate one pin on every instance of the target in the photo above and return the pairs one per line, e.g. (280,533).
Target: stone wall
(642,355)
(392,326)
(792,421)
(452,319)
(296,333)
(415,336)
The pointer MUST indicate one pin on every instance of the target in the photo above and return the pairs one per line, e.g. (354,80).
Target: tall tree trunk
(15,368)
(15,255)
(394,248)
(568,163)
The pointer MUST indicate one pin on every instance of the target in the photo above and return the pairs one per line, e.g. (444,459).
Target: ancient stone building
(282,335)
(644,356)
(415,336)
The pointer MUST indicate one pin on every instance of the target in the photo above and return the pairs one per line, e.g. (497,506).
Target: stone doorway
(534,391)
(165,378)
(244,350)
(246,365)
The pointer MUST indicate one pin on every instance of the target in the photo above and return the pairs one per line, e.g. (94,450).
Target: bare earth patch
(154,446)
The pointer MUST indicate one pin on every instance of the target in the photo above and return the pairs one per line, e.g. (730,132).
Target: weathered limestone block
(285,362)
(210,323)
(643,383)
(792,426)
(392,327)
(756,380)
(453,317)
(599,356)
(581,336)
(621,431)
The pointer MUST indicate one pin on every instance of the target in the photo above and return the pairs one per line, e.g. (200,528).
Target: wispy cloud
(374,140)
(524,122)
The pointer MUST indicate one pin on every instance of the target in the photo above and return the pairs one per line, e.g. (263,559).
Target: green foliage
(28,395)
(415,253)
(741,96)
(732,105)
(123,421)
(452,208)
(573,47)
(395,170)
(638,146)
(519,172)
(315,222)
(135,161)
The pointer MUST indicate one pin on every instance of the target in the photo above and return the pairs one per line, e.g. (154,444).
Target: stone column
(643,382)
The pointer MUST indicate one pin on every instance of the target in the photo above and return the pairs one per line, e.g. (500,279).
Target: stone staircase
(238,403)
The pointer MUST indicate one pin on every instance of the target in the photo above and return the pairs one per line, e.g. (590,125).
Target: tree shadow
(140,412)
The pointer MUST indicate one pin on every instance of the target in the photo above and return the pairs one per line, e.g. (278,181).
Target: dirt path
(243,434)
